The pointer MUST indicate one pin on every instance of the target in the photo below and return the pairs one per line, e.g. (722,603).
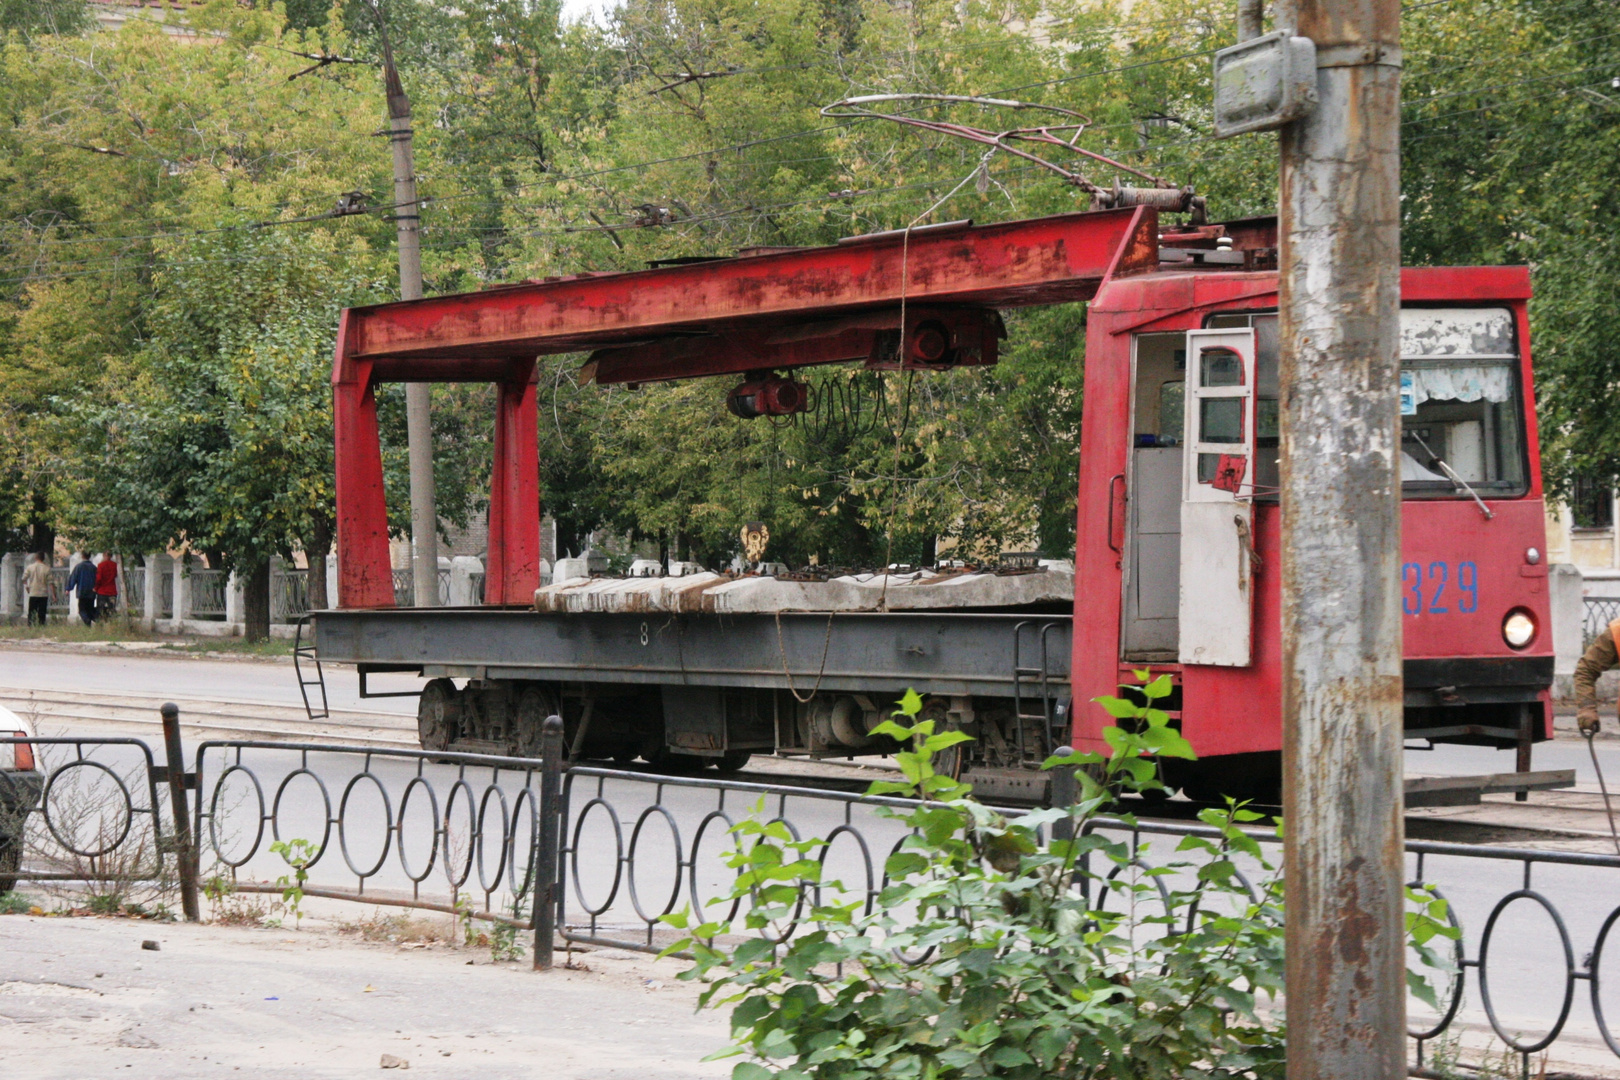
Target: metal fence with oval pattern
(1535,924)
(439,831)
(638,846)
(87,814)
(1599,612)
(603,854)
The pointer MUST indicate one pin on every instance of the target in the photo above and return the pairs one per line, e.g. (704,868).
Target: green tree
(31,17)
(217,433)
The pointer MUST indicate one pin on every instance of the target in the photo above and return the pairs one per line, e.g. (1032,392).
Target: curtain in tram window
(1493,382)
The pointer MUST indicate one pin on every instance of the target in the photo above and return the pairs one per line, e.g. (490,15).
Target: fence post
(71,595)
(462,569)
(184,853)
(11,568)
(545,871)
(152,592)
(182,592)
(1566,591)
(1062,795)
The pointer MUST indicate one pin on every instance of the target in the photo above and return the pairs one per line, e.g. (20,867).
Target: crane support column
(1341,612)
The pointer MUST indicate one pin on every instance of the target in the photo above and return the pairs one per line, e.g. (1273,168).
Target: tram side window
(1267,445)
(1460,411)
(1161,367)
(1460,402)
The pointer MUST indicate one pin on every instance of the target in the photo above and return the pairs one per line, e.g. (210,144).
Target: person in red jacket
(106,586)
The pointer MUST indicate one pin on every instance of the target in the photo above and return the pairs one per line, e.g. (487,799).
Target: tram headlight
(1519,628)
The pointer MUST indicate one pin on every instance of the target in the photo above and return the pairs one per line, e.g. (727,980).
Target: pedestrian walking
(106,586)
(37,586)
(82,585)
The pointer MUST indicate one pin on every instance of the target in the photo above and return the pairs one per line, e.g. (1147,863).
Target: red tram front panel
(1178,560)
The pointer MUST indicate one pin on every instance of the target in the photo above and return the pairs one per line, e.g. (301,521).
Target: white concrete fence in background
(181,595)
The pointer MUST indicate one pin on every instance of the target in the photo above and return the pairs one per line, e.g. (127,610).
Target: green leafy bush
(994,952)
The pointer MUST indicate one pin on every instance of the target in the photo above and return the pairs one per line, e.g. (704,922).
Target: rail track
(1573,818)
(63,712)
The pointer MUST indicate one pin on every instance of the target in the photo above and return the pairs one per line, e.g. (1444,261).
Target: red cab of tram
(1179,521)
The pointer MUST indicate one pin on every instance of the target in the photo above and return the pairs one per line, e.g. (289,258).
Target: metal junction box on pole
(1264,83)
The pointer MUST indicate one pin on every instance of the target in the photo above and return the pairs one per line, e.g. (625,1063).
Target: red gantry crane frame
(767,309)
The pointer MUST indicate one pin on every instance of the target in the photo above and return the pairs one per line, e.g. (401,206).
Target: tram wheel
(535,704)
(733,761)
(438,715)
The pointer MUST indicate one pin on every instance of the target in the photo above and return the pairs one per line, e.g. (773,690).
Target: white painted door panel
(1217,587)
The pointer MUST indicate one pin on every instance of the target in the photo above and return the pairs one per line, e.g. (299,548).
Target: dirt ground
(81,998)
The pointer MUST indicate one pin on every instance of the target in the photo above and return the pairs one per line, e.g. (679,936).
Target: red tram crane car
(1178,525)
(1179,517)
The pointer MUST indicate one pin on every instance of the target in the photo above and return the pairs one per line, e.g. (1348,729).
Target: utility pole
(418,396)
(1339,287)
(1251,19)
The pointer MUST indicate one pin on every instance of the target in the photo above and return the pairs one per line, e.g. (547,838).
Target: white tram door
(1217,484)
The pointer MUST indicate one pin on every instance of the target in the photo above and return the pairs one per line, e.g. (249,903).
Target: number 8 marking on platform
(1439,577)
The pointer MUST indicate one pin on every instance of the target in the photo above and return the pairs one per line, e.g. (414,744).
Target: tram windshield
(1461,408)
(1460,413)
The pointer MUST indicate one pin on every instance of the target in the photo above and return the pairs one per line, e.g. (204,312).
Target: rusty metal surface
(1043,261)
(1342,695)
(947,653)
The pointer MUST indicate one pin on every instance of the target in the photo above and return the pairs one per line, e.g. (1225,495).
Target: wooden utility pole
(418,396)
(1341,437)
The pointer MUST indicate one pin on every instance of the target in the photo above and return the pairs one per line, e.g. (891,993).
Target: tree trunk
(42,534)
(256,601)
(316,550)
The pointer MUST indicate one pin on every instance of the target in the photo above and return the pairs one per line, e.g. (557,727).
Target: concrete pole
(418,396)
(1251,19)
(1342,688)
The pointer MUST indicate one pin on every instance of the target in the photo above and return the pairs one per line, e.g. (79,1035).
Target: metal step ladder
(303,655)
(1054,727)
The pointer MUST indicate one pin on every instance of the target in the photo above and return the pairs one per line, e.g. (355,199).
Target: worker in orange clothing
(1600,657)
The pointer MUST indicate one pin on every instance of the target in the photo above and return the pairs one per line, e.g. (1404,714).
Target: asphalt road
(178,679)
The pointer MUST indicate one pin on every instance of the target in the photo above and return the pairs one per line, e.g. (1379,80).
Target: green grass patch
(115,629)
(126,630)
(237,646)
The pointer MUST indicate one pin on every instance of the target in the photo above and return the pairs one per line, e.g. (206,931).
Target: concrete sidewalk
(80,998)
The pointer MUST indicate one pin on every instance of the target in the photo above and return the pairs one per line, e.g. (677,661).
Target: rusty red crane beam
(782,308)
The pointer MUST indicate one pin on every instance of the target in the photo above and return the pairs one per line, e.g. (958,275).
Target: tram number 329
(1439,589)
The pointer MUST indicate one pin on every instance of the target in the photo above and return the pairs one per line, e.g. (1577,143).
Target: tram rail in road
(1552,816)
(71,712)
